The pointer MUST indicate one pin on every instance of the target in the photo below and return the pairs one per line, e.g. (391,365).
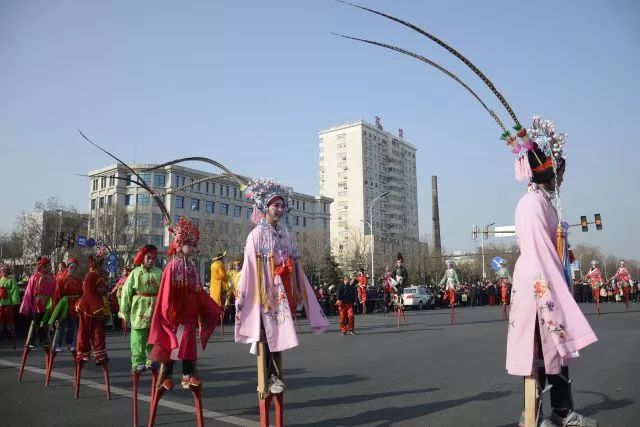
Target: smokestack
(435,214)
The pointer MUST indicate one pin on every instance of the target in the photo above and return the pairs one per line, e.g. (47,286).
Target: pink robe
(275,315)
(39,290)
(540,290)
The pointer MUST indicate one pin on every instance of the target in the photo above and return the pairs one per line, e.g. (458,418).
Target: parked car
(418,297)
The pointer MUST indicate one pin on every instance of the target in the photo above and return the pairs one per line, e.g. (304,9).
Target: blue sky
(250,83)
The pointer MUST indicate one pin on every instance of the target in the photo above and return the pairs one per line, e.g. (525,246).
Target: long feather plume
(453,51)
(435,65)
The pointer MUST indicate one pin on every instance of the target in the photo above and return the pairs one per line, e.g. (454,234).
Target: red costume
(362,288)
(90,312)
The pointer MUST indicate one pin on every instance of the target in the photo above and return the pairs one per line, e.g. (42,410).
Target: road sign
(112,263)
(82,241)
(496,263)
(505,231)
(91,242)
(575,265)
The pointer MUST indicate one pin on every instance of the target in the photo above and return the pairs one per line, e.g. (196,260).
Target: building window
(237,211)
(209,206)
(112,180)
(180,202)
(109,199)
(129,179)
(93,204)
(103,182)
(249,212)
(94,185)
(128,200)
(324,223)
(224,208)
(235,193)
(101,203)
(157,239)
(304,206)
(221,190)
(304,221)
(146,177)
(296,220)
(157,220)
(144,199)
(159,180)
(227,190)
(198,187)
(195,204)
(143,220)
(213,188)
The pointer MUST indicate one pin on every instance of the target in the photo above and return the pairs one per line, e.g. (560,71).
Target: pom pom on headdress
(43,262)
(262,192)
(184,233)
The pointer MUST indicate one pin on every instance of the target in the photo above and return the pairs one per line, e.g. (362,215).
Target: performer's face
(149,260)
(46,269)
(72,268)
(61,267)
(186,250)
(275,211)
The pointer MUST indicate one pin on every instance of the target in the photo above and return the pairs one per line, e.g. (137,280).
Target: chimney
(435,214)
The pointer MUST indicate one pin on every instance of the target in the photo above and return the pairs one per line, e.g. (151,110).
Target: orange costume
(362,288)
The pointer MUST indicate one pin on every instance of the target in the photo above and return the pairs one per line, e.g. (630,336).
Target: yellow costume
(218,280)
(232,284)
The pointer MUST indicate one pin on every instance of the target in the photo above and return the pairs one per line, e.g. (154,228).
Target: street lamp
(373,277)
(482,235)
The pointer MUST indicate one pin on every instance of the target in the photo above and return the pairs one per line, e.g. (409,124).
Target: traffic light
(598,222)
(474,232)
(60,242)
(584,223)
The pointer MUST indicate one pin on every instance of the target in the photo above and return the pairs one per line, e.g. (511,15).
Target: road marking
(218,416)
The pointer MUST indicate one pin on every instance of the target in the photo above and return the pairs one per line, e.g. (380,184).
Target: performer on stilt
(362,290)
(386,290)
(218,280)
(346,300)
(9,297)
(623,280)
(546,322)
(68,291)
(230,292)
(401,276)
(182,305)
(37,295)
(271,284)
(90,310)
(137,303)
(596,280)
(504,281)
(116,294)
(450,280)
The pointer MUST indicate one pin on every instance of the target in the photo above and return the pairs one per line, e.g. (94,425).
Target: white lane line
(218,416)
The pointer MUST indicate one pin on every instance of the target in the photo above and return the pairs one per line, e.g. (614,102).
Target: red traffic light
(598,222)
(584,223)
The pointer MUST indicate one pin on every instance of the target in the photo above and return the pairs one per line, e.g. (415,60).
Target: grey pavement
(430,373)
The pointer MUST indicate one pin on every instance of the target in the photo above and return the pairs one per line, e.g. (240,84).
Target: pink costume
(595,276)
(261,293)
(622,276)
(540,292)
(39,290)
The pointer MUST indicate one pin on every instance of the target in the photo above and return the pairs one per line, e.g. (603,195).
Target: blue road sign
(91,242)
(82,241)
(496,263)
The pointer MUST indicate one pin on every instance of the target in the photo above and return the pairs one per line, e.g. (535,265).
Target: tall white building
(125,216)
(358,162)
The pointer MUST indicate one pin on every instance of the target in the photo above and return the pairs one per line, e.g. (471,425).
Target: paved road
(427,374)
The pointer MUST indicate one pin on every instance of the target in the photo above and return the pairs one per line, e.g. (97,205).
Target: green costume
(11,294)
(137,303)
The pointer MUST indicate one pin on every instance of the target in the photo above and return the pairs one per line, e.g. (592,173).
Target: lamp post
(484,232)
(373,277)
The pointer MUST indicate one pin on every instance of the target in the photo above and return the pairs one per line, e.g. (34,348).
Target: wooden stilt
(222,323)
(25,353)
(453,314)
(530,401)
(124,327)
(153,410)
(51,358)
(197,400)
(136,378)
(264,397)
(76,378)
(107,382)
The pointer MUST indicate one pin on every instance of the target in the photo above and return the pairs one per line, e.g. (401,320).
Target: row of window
(157,179)
(209,187)
(210,207)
